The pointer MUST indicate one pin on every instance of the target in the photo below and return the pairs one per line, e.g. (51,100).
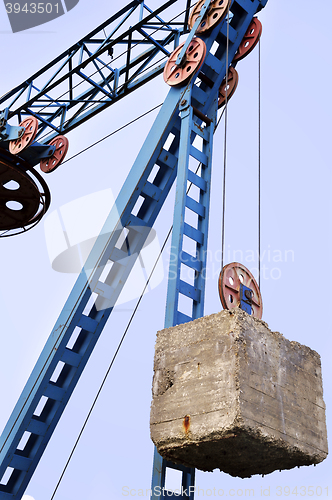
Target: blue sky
(115,450)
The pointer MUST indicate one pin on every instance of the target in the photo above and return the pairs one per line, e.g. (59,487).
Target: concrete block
(229,393)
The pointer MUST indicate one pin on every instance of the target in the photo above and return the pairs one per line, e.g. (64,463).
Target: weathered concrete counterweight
(230,394)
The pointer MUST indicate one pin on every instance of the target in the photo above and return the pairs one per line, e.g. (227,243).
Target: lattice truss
(120,55)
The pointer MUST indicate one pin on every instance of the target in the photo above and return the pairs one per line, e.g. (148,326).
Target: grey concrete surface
(229,393)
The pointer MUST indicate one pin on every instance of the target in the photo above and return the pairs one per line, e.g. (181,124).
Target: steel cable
(113,133)
(122,339)
(225,152)
(259,163)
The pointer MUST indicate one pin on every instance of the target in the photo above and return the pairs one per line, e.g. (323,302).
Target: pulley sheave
(194,58)
(232,277)
(61,143)
(31,127)
(250,40)
(232,82)
(215,13)
(24,195)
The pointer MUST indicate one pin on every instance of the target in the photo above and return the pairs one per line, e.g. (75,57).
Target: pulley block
(31,127)
(24,195)
(236,284)
(232,81)
(61,144)
(215,13)
(194,58)
(250,40)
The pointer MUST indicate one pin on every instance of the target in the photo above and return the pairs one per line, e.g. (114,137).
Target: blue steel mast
(188,113)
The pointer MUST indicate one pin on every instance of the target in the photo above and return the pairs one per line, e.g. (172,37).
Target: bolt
(21,132)
(183,102)
(248,294)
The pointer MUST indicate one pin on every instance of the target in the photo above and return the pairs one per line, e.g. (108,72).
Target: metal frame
(95,293)
(86,78)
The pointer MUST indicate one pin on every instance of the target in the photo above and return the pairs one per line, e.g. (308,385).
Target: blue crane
(181,136)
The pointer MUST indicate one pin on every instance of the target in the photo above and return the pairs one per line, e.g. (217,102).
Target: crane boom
(189,112)
(97,71)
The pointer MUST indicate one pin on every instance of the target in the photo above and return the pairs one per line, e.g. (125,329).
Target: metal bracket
(246,295)
(36,152)
(8,132)
(3,117)
(185,101)
(182,54)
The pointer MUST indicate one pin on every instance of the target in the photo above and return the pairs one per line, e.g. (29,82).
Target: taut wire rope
(259,163)
(112,133)
(225,151)
(122,339)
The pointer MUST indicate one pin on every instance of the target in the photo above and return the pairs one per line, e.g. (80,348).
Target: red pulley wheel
(194,58)
(232,81)
(31,127)
(230,280)
(215,13)
(250,40)
(61,144)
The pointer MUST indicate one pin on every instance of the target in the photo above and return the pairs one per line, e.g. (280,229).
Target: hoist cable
(259,163)
(122,339)
(113,133)
(110,365)
(225,152)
